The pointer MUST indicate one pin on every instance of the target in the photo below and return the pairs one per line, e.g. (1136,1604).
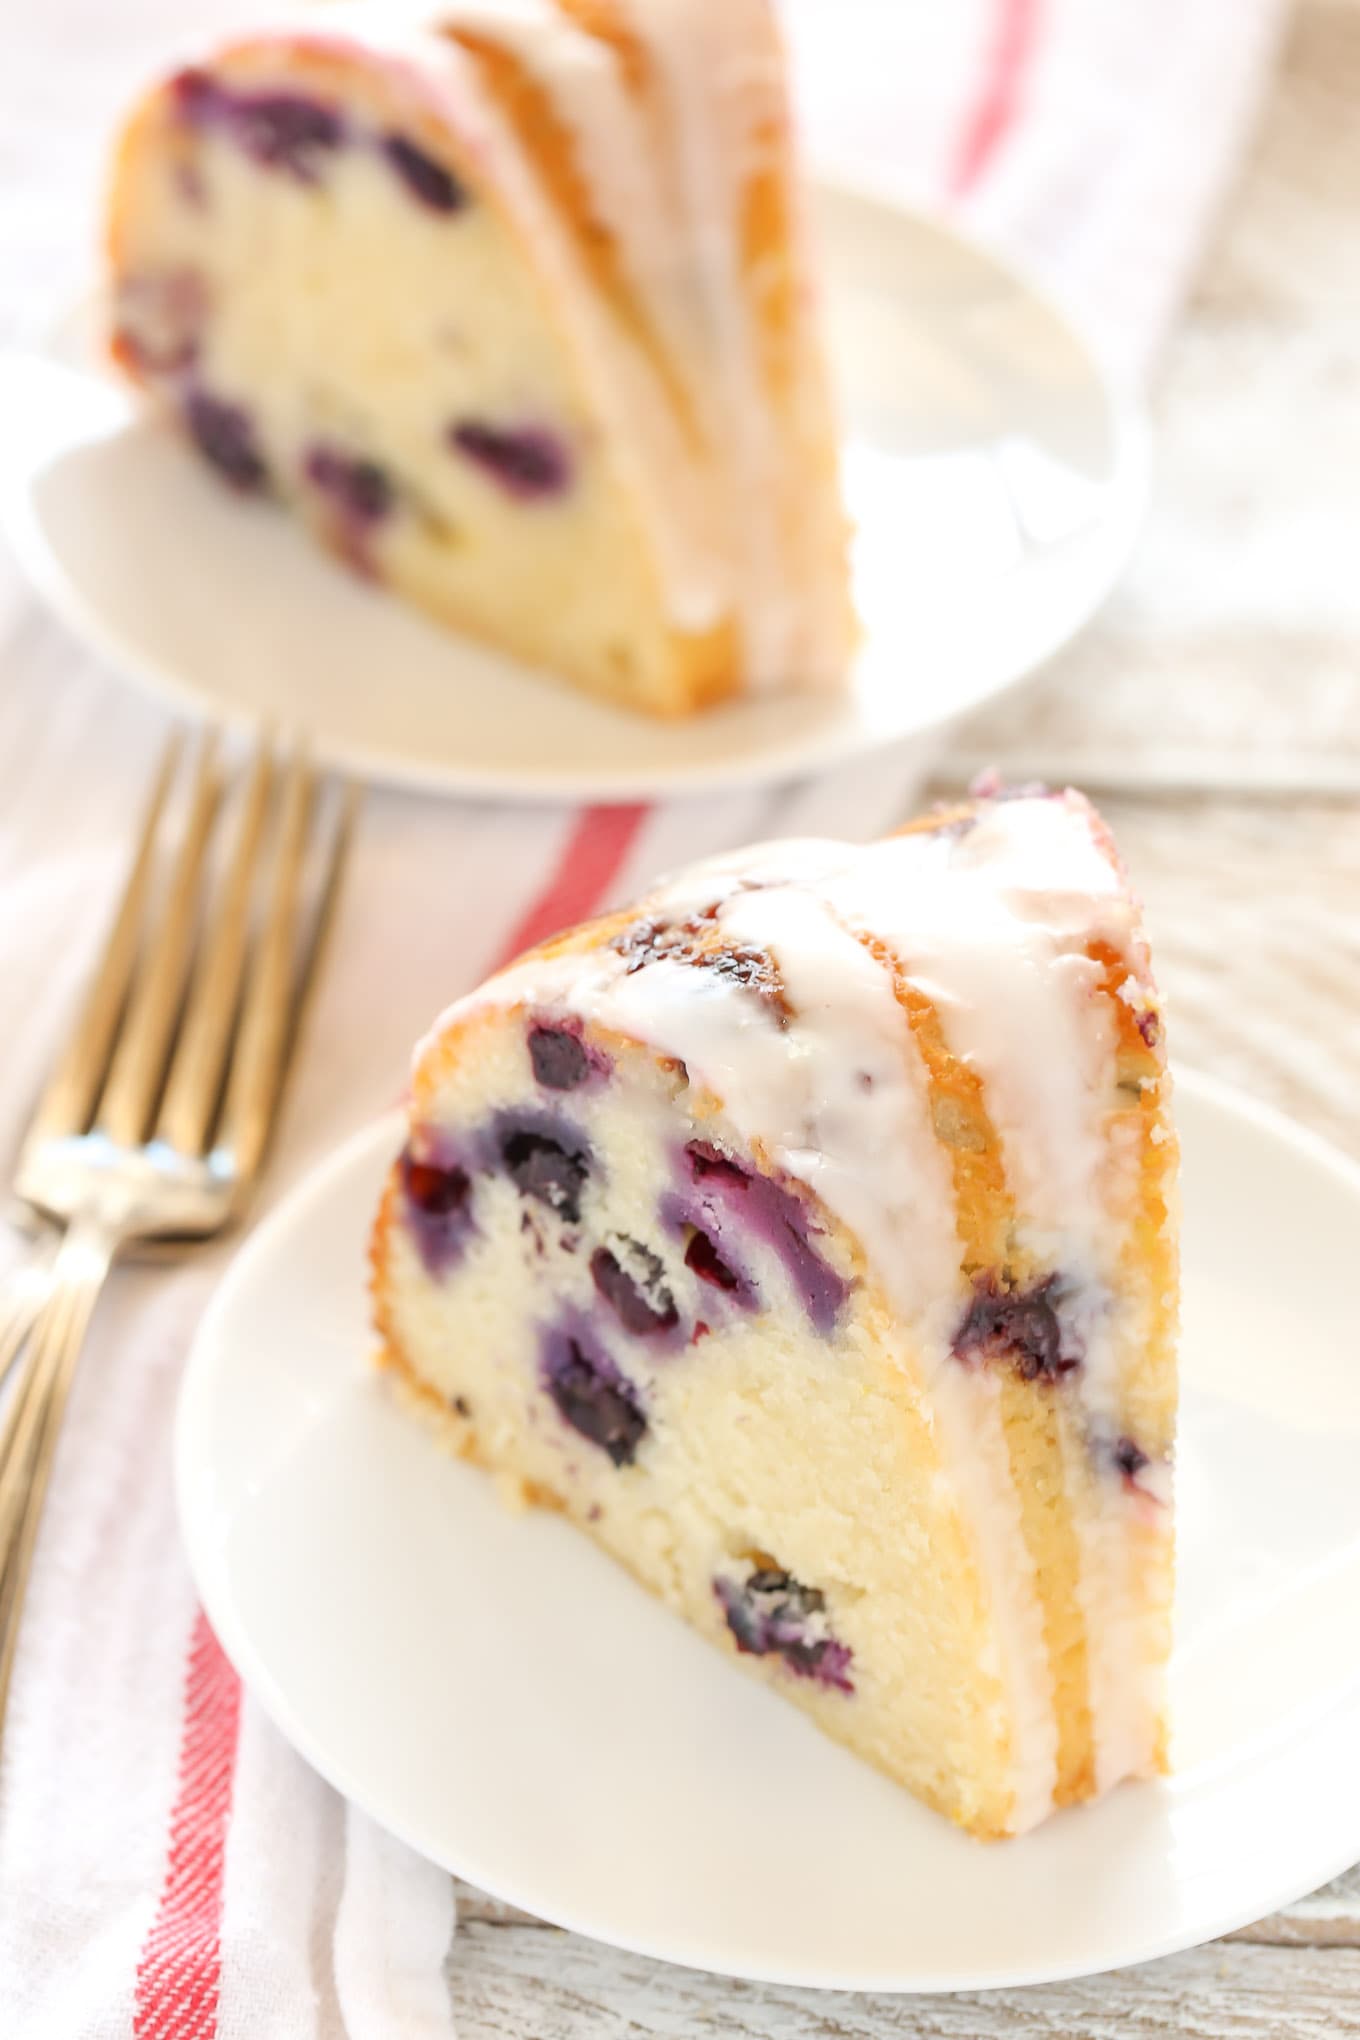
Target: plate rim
(778,762)
(257,1678)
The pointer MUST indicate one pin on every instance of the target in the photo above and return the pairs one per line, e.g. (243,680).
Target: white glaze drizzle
(995,933)
(993,925)
(731,43)
(671,192)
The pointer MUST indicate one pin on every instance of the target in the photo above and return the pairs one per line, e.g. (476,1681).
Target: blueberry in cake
(510,301)
(807,1235)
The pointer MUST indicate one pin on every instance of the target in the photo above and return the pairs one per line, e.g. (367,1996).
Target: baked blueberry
(429,181)
(541,1165)
(360,488)
(770,1612)
(1129,1458)
(593,1397)
(224,435)
(285,131)
(1020,1328)
(708,1264)
(439,1203)
(733,1195)
(527,461)
(636,1292)
(560,1058)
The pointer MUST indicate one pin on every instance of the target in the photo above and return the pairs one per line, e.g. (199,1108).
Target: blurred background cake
(512,304)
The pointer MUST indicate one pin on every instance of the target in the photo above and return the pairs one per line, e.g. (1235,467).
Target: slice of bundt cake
(510,301)
(807,1235)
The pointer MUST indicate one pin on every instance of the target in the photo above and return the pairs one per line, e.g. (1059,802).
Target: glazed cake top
(777,974)
(641,150)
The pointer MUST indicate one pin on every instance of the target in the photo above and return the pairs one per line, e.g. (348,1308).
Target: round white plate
(996,480)
(496,1691)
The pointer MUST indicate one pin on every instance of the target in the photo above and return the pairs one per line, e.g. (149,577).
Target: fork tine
(192,1092)
(69,1095)
(138,1066)
(337,857)
(272,987)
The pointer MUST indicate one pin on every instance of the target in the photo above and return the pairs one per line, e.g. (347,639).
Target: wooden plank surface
(511,1979)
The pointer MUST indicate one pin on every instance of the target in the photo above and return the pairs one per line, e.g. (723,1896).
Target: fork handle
(32,1420)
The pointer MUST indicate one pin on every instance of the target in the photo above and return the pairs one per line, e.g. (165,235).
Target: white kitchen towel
(1093,138)
(169,1870)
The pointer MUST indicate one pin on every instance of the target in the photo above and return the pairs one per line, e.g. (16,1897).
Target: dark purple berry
(196,96)
(434,1191)
(369,490)
(360,488)
(281,130)
(224,436)
(1130,1458)
(771,1612)
(1150,1027)
(707,1263)
(702,1230)
(542,1167)
(775,1214)
(641,1301)
(705,1161)
(438,1199)
(529,463)
(285,131)
(559,1058)
(431,183)
(1019,1327)
(593,1397)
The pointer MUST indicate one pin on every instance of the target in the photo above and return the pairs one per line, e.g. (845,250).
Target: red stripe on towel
(179,1972)
(993,112)
(589,862)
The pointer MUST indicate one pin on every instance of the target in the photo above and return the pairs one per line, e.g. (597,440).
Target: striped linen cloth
(169,1869)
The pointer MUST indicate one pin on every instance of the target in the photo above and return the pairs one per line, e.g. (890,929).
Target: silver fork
(153,1125)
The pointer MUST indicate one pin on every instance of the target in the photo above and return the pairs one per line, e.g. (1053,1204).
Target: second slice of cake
(511,302)
(806,1233)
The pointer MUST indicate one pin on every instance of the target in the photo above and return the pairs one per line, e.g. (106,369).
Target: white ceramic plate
(497,1692)
(996,480)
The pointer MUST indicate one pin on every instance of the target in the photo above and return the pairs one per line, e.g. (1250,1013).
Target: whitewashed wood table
(1216,710)
(1231,656)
